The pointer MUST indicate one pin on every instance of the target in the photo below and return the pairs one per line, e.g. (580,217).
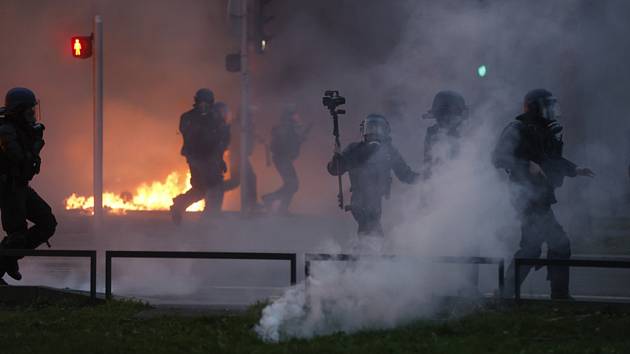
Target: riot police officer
(449,111)
(287,138)
(21,141)
(206,137)
(530,150)
(370,164)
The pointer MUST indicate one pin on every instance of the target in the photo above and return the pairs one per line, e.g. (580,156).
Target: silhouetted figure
(286,140)
(370,164)
(206,137)
(530,150)
(450,111)
(21,141)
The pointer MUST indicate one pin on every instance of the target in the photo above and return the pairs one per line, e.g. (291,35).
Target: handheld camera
(332,100)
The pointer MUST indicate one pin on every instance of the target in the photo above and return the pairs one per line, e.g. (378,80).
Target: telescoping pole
(98,121)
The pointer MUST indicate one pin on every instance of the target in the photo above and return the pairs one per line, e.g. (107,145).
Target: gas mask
(204,107)
(30,115)
(450,120)
(375,128)
(548,108)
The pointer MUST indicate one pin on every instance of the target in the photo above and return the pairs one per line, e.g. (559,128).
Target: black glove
(554,128)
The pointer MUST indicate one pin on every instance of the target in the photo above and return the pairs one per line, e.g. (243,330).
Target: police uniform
(370,164)
(206,137)
(532,138)
(21,142)
(450,111)
(286,141)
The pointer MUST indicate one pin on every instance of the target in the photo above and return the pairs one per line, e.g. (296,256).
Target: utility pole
(245,119)
(97,78)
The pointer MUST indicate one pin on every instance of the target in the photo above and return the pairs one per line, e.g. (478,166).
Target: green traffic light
(482,71)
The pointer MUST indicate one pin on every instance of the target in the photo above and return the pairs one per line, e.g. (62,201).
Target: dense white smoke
(457,212)
(464,209)
(370,50)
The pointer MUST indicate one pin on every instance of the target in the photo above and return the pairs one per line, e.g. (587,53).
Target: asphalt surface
(236,283)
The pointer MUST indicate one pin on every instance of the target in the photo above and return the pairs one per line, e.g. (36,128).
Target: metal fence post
(93,276)
(307,268)
(501,278)
(108,275)
(517,283)
(294,269)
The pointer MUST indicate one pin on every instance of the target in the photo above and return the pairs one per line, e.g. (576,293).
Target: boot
(9,265)
(176,215)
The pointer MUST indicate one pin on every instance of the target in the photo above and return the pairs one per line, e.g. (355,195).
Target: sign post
(98,121)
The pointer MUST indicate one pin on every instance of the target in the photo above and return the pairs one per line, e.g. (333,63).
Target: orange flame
(157,195)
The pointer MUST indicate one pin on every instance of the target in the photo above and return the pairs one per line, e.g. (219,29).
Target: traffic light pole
(97,78)
(245,119)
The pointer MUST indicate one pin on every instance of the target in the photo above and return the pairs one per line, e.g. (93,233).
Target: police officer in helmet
(287,138)
(530,150)
(21,141)
(450,112)
(206,136)
(370,163)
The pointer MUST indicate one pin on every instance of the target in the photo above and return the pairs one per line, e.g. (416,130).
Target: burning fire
(157,195)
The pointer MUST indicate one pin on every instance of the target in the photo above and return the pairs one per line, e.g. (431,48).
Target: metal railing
(310,257)
(291,257)
(59,253)
(572,262)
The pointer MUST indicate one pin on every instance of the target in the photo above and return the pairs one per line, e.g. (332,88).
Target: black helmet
(375,127)
(447,103)
(19,99)
(204,95)
(542,103)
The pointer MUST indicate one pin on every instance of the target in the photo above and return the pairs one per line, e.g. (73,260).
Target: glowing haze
(156,195)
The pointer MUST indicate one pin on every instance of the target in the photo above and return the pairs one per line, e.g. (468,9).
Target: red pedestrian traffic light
(81,47)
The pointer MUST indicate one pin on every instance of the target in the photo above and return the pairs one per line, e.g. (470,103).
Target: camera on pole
(332,100)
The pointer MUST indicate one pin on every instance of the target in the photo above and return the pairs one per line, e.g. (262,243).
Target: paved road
(234,282)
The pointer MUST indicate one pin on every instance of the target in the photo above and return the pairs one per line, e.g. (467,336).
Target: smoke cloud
(159,52)
(464,208)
